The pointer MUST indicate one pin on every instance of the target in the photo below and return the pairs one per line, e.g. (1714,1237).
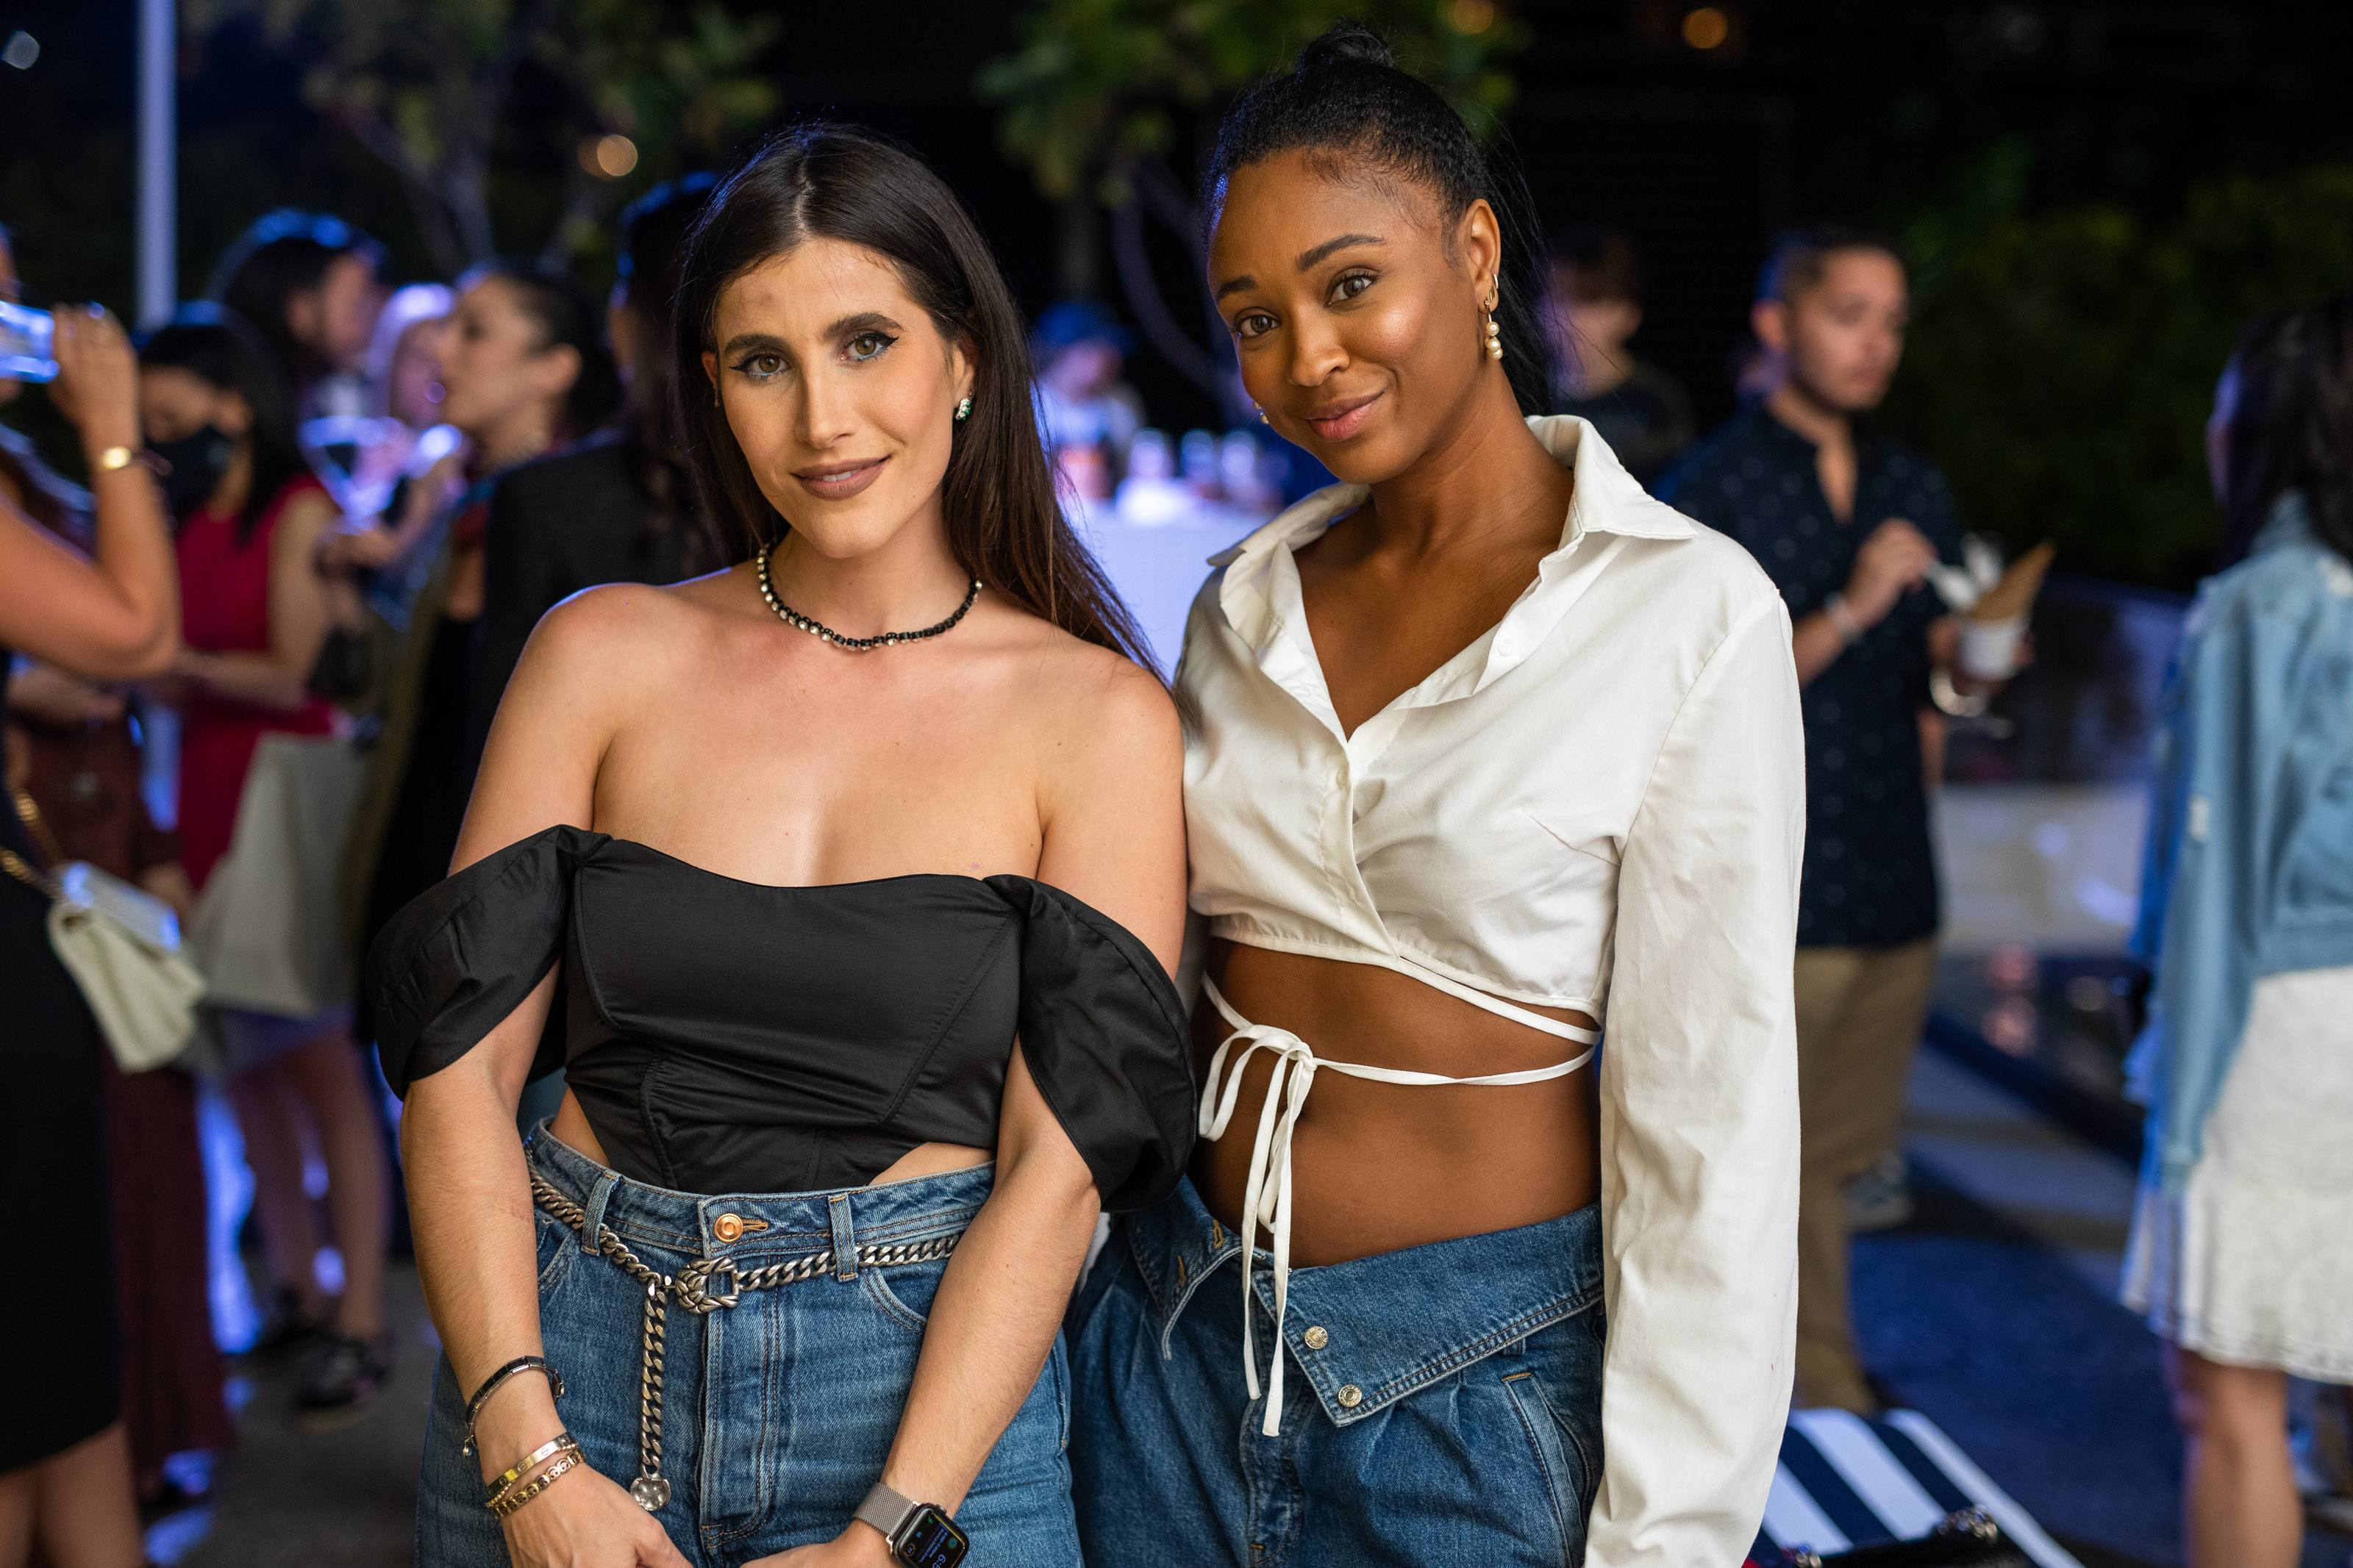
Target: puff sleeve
(1103,1032)
(463,955)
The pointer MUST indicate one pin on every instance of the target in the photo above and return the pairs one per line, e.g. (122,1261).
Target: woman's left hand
(859,1546)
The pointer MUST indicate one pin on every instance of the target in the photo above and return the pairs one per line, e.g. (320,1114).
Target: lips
(839,482)
(1338,421)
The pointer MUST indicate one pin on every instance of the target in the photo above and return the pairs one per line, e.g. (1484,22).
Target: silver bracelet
(1841,619)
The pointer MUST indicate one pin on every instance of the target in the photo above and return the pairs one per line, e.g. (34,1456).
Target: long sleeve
(1699,1120)
(2210,829)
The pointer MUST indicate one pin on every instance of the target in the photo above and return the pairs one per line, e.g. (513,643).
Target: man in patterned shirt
(1848,528)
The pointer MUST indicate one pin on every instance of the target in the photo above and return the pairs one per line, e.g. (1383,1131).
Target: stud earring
(964,411)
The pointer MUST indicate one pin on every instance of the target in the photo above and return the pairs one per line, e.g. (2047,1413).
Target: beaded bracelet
(514,1500)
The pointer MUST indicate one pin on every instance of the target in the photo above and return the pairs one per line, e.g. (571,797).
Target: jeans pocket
(1569,1479)
(556,1241)
(905,1292)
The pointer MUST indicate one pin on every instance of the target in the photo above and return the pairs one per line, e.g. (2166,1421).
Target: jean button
(1350,1396)
(1317,1338)
(727,1226)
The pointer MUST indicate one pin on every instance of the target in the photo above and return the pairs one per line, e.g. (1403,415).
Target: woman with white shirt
(1484,748)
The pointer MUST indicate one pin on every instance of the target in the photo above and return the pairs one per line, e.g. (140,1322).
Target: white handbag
(121,947)
(267,929)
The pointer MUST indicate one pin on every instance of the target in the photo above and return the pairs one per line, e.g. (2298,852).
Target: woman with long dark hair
(843,884)
(1483,746)
(254,612)
(2241,1253)
(524,369)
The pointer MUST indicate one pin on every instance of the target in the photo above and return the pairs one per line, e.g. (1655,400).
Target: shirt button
(1350,1396)
(727,1226)
(1317,1338)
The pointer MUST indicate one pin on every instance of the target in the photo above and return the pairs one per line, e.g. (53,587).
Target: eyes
(1253,324)
(765,364)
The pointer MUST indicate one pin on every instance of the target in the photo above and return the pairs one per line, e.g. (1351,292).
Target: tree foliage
(430,87)
(1093,87)
(2064,364)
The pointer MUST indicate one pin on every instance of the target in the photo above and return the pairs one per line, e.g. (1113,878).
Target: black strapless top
(728,1036)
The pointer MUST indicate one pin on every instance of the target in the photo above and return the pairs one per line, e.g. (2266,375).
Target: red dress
(225,608)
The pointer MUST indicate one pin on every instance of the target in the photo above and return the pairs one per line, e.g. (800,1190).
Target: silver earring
(964,411)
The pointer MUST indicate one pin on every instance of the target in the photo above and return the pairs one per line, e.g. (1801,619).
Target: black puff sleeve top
(728,1036)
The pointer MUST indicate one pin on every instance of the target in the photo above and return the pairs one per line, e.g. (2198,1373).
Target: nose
(1315,351)
(827,413)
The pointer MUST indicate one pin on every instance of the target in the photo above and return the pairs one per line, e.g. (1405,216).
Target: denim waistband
(1371,1331)
(750,1229)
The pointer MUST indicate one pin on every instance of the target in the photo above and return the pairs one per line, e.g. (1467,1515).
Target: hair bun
(1346,43)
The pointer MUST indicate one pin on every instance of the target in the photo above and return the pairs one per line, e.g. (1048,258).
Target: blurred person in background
(1593,308)
(524,366)
(376,454)
(1847,526)
(1087,414)
(617,506)
(255,611)
(309,284)
(65,1486)
(76,743)
(2241,1251)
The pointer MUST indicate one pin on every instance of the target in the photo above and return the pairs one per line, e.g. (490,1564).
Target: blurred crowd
(374,492)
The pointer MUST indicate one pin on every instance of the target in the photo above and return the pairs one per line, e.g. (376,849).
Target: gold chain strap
(28,812)
(14,864)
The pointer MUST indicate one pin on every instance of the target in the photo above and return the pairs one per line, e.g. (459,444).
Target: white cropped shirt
(1599,804)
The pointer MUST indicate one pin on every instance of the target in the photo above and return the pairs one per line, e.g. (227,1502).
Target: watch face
(930,1540)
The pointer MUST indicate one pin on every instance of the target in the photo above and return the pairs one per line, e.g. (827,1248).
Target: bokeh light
(1706,28)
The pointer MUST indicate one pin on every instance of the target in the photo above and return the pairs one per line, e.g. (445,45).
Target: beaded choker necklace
(793,617)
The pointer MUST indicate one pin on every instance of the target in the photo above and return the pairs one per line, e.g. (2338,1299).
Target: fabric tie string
(1266,1191)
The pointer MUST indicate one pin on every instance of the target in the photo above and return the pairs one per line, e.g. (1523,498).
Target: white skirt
(2253,1263)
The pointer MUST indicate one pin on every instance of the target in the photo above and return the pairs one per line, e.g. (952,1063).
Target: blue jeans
(776,1412)
(1443,1402)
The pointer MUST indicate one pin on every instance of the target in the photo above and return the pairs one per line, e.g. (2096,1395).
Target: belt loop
(592,1220)
(845,1246)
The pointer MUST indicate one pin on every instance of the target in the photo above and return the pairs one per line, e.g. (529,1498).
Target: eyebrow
(1307,258)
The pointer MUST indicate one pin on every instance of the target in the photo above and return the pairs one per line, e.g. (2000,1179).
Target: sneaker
(1881,1197)
(344,1380)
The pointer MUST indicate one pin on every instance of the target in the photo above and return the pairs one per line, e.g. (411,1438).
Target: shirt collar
(1607,500)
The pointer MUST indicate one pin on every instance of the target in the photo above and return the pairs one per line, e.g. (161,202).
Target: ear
(964,366)
(1479,248)
(1769,320)
(232,415)
(558,368)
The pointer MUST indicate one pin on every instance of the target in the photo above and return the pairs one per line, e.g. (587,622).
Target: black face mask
(193,466)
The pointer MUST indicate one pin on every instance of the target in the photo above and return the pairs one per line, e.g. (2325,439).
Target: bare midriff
(571,1128)
(1376,1167)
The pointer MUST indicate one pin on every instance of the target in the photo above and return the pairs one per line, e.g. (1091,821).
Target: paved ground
(1993,1311)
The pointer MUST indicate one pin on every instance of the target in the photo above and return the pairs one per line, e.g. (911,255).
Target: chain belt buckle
(693,1284)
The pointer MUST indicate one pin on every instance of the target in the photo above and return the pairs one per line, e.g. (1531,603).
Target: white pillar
(158,162)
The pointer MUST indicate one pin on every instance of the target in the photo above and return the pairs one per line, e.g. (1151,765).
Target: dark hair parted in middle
(1003,523)
(1346,98)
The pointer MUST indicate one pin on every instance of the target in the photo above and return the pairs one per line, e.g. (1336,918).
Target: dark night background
(2094,195)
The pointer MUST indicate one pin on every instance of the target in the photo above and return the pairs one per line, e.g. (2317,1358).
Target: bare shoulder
(609,643)
(1105,702)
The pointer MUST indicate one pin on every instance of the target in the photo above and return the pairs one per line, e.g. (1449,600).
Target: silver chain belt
(692,1287)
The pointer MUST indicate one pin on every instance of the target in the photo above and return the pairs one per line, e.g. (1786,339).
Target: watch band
(886,1510)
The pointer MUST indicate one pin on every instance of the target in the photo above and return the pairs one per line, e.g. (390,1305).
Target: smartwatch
(920,1534)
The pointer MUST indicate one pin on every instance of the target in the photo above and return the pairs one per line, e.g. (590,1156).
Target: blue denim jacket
(2249,862)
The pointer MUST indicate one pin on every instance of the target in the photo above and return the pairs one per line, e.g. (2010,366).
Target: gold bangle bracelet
(514,1500)
(522,1467)
(113,458)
